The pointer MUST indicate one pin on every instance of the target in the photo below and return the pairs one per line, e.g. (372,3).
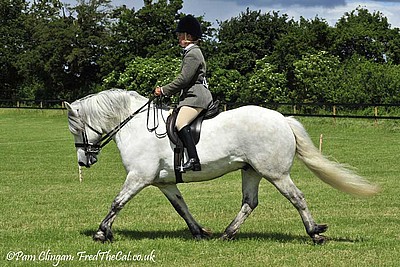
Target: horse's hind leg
(175,197)
(286,186)
(250,183)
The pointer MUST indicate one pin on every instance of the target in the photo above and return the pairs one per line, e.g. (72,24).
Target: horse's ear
(69,107)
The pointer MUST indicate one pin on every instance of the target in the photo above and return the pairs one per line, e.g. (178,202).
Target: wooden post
(294,109)
(321,137)
(376,115)
(334,114)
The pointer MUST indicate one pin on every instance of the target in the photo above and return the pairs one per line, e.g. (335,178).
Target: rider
(192,85)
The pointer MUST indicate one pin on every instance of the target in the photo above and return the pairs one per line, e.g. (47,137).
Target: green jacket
(191,81)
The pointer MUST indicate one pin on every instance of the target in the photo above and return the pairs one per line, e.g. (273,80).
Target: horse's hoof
(100,236)
(226,237)
(204,234)
(319,239)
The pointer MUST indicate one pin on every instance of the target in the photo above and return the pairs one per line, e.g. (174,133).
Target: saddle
(195,128)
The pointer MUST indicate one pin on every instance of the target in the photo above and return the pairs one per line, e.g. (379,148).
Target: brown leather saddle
(195,128)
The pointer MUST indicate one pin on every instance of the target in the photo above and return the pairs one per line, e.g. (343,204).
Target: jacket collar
(188,48)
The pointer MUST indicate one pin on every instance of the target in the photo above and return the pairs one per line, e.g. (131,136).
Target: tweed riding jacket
(191,81)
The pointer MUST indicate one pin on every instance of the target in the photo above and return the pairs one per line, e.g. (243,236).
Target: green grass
(44,207)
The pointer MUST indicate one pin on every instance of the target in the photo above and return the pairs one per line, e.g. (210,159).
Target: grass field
(47,214)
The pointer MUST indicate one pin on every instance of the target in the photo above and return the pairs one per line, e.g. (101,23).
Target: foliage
(144,74)
(249,37)
(368,35)
(11,45)
(265,85)
(226,85)
(366,81)
(316,78)
(52,50)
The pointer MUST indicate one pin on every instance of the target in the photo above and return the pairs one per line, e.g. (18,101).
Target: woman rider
(192,85)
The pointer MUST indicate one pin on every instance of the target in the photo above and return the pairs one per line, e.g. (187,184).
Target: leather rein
(94,148)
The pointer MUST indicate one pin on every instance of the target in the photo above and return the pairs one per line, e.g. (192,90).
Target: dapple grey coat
(190,81)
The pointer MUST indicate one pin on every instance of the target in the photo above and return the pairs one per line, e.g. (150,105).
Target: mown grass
(44,207)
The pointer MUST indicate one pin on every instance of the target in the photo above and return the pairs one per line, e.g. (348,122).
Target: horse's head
(86,137)
(102,113)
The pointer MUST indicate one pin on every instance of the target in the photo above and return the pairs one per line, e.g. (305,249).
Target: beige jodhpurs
(186,115)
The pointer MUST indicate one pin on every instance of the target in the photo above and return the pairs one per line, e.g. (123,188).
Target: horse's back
(251,120)
(251,134)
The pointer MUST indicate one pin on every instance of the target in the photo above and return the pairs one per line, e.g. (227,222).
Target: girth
(195,128)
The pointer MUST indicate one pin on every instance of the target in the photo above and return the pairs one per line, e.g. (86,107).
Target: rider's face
(183,38)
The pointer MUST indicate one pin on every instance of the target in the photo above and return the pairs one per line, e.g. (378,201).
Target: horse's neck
(114,114)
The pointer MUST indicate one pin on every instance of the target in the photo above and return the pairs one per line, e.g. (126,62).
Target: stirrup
(191,165)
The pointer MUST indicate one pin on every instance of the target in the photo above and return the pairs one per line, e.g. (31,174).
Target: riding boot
(193,162)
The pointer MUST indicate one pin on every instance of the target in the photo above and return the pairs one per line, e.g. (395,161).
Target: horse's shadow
(184,234)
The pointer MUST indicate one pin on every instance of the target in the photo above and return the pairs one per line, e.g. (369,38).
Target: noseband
(89,148)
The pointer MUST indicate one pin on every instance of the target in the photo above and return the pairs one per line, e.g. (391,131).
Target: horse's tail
(332,173)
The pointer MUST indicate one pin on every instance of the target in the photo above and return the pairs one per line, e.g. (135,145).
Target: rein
(104,140)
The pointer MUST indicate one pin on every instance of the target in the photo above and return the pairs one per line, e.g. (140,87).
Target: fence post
(334,114)
(321,137)
(376,114)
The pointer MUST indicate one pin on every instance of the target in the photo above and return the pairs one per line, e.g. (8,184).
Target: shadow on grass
(184,234)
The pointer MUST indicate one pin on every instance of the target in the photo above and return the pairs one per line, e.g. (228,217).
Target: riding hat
(190,25)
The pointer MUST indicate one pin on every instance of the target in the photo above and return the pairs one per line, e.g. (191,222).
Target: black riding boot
(193,162)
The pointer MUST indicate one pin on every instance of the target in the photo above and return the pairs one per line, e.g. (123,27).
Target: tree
(225,85)
(367,82)
(303,38)
(148,32)
(247,38)
(36,63)
(362,33)
(265,85)
(316,78)
(12,16)
(62,52)
(144,74)
(89,46)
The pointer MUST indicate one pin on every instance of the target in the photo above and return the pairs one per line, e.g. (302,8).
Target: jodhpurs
(186,115)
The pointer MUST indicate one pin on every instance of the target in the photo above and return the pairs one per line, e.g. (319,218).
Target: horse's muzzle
(90,160)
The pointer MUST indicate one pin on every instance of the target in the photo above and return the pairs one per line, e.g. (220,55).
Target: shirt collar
(188,47)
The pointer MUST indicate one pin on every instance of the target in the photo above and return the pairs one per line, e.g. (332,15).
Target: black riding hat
(190,25)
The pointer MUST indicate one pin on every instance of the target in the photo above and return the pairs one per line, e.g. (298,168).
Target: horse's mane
(107,107)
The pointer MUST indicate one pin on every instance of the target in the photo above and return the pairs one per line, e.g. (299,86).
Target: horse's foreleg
(131,187)
(250,184)
(296,197)
(175,197)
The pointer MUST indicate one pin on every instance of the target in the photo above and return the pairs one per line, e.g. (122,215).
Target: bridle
(92,149)
(89,148)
